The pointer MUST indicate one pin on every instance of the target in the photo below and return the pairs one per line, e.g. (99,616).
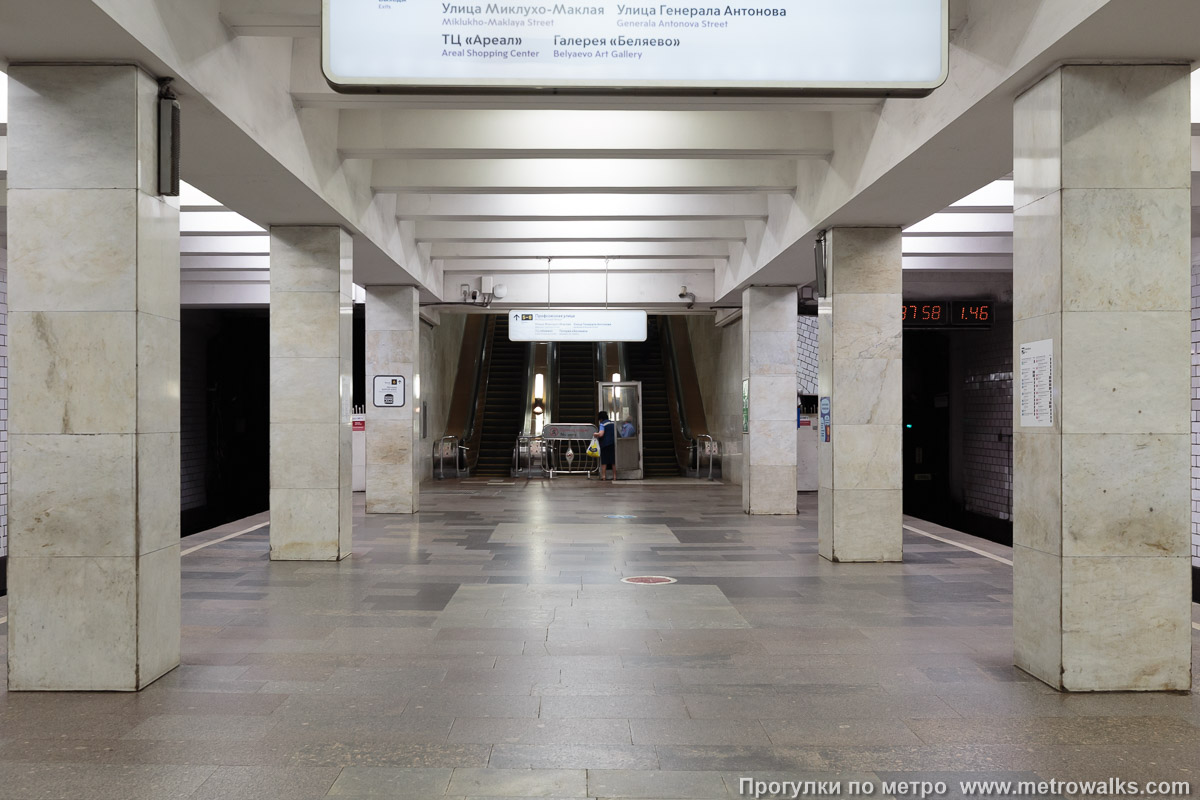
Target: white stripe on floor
(992,556)
(4,619)
(959,545)
(223,539)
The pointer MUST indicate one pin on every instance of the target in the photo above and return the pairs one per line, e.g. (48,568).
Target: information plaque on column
(1036,384)
(787,47)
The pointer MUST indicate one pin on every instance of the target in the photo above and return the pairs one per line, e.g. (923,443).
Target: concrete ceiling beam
(510,133)
(568,175)
(986,262)
(601,250)
(582,230)
(293,18)
(499,265)
(957,245)
(467,207)
(964,224)
(213,261)
(225,245)
(218,222)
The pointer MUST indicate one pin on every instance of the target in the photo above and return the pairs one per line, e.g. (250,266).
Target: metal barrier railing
(528,456)
(449,447)
(710,447)
(568,457)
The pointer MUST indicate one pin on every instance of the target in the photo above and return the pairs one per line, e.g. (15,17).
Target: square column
(769,364)
(1101,361)
(312,312)
(393,431)
(94,584)
(861,376)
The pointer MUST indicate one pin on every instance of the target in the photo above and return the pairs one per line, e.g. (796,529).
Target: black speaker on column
(168,140)
(821,259)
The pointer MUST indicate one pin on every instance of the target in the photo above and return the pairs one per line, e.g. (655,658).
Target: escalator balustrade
(503,409)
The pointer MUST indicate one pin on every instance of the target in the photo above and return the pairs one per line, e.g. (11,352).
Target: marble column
(94,580)
(860,490)
(769,364)
(393,431)
(311,347)
(1101,283)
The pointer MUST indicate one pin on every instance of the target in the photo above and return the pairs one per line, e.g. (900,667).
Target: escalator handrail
(680,435)
(691,429)
(475,428)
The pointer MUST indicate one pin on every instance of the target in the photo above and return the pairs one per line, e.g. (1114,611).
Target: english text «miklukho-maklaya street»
(599,11)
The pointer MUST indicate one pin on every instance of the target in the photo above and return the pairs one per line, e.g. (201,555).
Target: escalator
(503,407)
(575,400)
(645,364)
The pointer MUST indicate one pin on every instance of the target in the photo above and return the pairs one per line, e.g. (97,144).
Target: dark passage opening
(224,402)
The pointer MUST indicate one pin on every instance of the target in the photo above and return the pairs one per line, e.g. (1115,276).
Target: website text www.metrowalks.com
(752,787)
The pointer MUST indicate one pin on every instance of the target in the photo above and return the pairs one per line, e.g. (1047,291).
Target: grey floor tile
(539,731)
(252,783)
(613,707)
(208,728)
(669,785)
(573,756)
(392,783)
(698,732)
(31,781)
(519,783)
(739,757)
(852,732)
(349,751)
(1055,730)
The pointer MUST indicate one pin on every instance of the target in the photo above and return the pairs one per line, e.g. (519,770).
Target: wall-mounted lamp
(616,377)
(539,394)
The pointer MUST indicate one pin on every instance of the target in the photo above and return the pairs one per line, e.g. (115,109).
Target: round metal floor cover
(648,579)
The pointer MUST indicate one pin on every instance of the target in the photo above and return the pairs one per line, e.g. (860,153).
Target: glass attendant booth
(623,402)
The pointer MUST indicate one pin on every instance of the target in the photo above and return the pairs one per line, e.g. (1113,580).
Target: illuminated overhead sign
(687,46)
(598,325)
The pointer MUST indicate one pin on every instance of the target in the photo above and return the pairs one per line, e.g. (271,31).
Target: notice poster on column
(1037,384)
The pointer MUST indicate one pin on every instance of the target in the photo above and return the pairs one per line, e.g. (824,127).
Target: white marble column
(1102,168)
(769,364)
(393,432)
(860,491)
(311,347)
(94,586)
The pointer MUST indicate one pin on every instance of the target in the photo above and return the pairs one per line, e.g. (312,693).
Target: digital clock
(925,315)
(948,314)
(971,314)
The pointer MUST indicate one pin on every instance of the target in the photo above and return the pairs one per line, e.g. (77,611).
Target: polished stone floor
(486,649)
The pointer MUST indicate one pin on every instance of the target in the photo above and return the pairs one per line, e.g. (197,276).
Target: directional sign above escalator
(596,325)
